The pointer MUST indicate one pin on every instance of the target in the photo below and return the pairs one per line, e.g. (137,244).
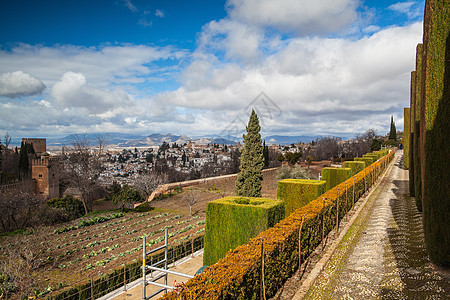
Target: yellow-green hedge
(356,166)
(296,193)
(334,176)
(233,221)
(367,160)
(237,275)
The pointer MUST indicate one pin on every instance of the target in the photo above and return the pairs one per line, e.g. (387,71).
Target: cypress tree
(248,182)
(393,131)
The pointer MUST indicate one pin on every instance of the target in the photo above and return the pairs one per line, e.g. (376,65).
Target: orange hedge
(238,274)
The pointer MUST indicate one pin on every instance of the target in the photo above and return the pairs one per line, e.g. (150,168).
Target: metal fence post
(144,252)
(323,222)
(337,212)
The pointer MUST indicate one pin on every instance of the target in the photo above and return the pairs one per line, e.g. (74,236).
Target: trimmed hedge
(374,156)
(417,166)
(435,129)
(367,160)
(356,166)
(238,274)
(411,139)
(296,193)
(334,176)
(407,133)
(233,221)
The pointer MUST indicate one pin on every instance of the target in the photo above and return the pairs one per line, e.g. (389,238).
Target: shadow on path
(412,264)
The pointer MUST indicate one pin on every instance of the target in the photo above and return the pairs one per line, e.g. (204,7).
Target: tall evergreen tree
(24,159)
(393,131)
(249,179)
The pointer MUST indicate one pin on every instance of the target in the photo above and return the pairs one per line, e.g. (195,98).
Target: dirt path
(383,254)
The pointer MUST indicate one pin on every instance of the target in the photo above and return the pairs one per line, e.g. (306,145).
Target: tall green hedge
(435,130)
(411,139)
(375,156)
(334,176)
(296,193)
(233,221)
(356,166)
(406,134)
(417,166)
(367,160)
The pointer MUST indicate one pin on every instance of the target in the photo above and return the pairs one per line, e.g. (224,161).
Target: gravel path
(383,255)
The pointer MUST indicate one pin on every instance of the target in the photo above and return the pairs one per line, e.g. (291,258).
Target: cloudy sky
(326,67)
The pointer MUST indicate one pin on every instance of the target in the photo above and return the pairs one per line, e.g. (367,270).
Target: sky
(198,68)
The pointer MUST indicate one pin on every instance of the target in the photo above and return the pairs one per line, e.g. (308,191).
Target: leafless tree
(101,141)
(82,170)
(327,148)
(191,197)
(146,183)
(19,208)
(19,269)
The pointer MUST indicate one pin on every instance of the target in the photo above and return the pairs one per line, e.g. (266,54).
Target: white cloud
(18,84)
(103,65)
(322,85)
(128,4)
(73,91)
(236,40)
(301,16)
(406,8)
(159,13)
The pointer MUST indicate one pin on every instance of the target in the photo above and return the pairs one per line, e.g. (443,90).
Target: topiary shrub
(367,160)
(356,166)
(334,176)
(296,193)
(233,221)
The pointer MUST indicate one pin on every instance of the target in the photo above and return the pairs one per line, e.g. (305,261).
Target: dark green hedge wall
(435,130)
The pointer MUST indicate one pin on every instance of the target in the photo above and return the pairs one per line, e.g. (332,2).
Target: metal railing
(154,267)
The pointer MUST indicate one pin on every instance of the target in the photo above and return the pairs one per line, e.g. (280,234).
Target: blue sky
(329,67)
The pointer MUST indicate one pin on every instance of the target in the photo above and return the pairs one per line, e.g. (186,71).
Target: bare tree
(101,141)
(191,197)
(19,208)
(327,148)
(146,183)
(82,170)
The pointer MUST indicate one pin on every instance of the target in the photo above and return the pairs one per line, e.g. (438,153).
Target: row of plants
(95,287)
(89,222)
(95,243)
(238,274)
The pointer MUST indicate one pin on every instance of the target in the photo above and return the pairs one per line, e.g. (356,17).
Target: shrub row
(296,193)
(238,274)
(334,176)
(355,166)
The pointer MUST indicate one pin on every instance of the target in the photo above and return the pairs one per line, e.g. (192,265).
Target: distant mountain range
(125,140)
